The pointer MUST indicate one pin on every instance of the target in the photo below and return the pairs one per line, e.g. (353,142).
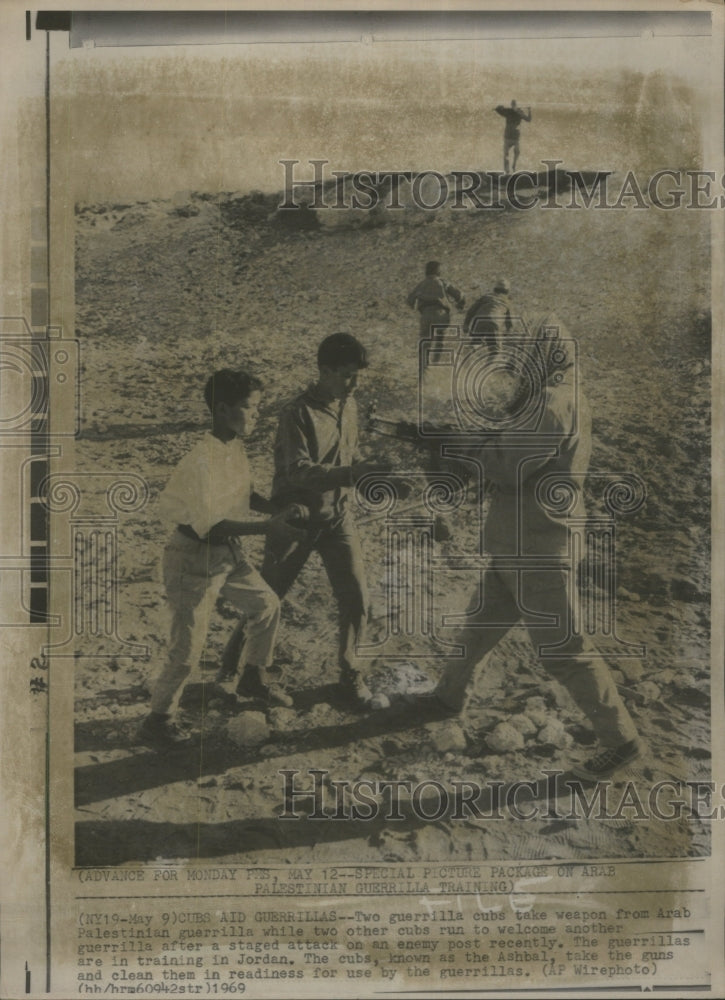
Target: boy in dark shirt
(511,133)
(316,464)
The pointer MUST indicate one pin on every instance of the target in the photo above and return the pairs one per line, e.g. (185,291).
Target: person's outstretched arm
(279,525)
(302,470)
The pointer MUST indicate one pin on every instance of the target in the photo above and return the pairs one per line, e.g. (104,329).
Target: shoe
(251,685)
(607,761)
(221,698)
(225,673)
(357,691)
(159,732)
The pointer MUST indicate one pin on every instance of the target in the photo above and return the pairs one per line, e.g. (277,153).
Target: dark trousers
(338,544)
(507,145)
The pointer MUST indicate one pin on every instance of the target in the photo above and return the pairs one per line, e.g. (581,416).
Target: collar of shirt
(314,395)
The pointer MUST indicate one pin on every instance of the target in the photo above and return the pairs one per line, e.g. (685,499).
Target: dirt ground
(169,291)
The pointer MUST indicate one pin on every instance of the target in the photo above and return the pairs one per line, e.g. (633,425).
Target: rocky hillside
(168,291)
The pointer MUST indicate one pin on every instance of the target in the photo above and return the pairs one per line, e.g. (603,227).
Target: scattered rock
(554,733)
(664,677)
(537,711)
(283,719)
(138,280)
(320,715)
(248,729)
(505,738)
(632,670)
(493,765)
(523,724)
(487,719)
(447,736)
(648,691)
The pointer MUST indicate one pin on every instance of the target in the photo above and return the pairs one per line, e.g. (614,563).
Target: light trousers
(510,597)
(195,575)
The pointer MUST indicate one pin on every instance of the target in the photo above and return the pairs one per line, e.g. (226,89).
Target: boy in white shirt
(208,501)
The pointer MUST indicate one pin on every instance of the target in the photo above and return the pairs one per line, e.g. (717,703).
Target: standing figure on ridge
(514,116)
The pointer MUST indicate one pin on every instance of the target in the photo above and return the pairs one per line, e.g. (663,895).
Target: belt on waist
(188,532)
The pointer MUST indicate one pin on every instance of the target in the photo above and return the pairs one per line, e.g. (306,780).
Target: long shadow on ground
(212,753)
(112,842)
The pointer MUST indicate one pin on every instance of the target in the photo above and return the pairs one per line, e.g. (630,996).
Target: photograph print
(395,339)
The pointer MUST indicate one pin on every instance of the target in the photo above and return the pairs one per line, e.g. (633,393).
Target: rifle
(408,430)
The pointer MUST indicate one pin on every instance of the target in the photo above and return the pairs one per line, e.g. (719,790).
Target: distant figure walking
(433,297)
(511,133)
(489,318)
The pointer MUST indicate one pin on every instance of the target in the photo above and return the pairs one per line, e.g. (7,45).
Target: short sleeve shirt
(211,483)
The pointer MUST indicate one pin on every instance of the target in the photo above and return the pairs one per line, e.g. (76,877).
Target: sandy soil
(168,291)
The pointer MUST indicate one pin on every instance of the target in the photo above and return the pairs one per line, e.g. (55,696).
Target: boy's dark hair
(432,267)
(341,349)
(230,387)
